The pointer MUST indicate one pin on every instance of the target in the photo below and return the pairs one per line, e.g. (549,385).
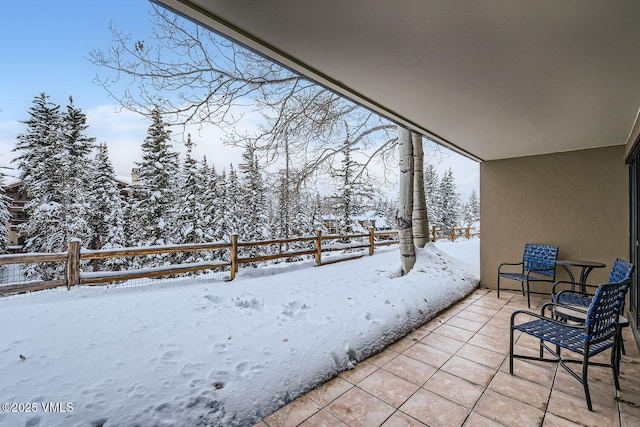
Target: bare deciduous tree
(195,76)
(420,218)
(405,209)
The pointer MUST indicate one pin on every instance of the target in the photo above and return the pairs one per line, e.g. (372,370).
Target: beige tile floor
(454,371)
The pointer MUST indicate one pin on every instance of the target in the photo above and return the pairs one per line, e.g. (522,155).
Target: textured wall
(578,201)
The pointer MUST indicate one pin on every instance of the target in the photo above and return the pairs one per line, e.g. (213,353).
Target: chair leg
(615,364)
(528,295)
(585,384)
(511,350)
(498,285)
(616,353)
(541,350)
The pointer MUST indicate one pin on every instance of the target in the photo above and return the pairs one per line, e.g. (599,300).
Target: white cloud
(123,131)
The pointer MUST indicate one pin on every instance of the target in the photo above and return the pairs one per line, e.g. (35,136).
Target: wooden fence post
(318,247)
(433,231)
(453,234)
(73,263)
(234,255)
(468,233)
(371,240)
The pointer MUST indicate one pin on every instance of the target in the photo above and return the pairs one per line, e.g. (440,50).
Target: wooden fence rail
(75,255)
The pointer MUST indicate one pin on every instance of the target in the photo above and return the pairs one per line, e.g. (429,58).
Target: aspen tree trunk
(405,209)
(420,219)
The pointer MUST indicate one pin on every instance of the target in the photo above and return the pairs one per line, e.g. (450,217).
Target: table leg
(583,277)
(571,278)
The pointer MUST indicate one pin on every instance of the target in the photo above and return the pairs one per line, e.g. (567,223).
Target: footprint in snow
(220,347)
(245,370)
(163,407)
(214,299)
(169,355)
(294,308)
(191,369)
(253,303)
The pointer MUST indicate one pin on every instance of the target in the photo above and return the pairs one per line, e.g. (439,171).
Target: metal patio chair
(621,271)
(538,265)
(598,333)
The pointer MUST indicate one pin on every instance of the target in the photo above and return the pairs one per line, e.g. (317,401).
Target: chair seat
(523,277)
(564,336)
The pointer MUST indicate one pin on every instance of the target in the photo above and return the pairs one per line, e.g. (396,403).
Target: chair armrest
(538,271)
(590,286)
(574,285)
(564,282)
(550,304)
(541,316)
(509,263)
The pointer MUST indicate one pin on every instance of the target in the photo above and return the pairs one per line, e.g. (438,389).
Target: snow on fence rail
(73,258)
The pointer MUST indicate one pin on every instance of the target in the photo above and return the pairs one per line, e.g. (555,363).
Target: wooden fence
(75,255)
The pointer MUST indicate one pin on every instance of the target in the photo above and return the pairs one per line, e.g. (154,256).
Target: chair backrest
(540,258)
(602,315)
(620,271)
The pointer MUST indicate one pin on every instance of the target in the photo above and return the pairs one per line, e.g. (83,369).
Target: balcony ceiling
(491,79)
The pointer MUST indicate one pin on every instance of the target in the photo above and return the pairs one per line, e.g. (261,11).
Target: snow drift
(207,352)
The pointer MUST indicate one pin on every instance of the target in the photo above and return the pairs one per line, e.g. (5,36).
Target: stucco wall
(577,201)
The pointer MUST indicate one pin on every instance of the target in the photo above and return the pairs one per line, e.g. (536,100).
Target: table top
(576,313)
(579,263)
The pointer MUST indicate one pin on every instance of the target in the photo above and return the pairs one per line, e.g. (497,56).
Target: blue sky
(45,47)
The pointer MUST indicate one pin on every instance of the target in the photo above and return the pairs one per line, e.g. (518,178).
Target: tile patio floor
(454,371)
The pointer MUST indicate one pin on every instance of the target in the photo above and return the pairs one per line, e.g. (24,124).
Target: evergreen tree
(254,223)
(234,215)
(53,161)
(130,221)
(474,206)
(107,213)
(465,214)
(431,189)
(290,216)
(209,199)
(449,201)
(387,209)
(38,144)
(4,217)
(352,191)
(221,225)
(299,214)
(216,209)
(191,215)
(470,211)
(155,197)
(316,214)
(75,180)
(284,195)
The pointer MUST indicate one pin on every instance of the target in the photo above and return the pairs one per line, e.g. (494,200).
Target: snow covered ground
(211,352)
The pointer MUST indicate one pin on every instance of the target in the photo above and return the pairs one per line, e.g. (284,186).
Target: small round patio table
(586,267)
